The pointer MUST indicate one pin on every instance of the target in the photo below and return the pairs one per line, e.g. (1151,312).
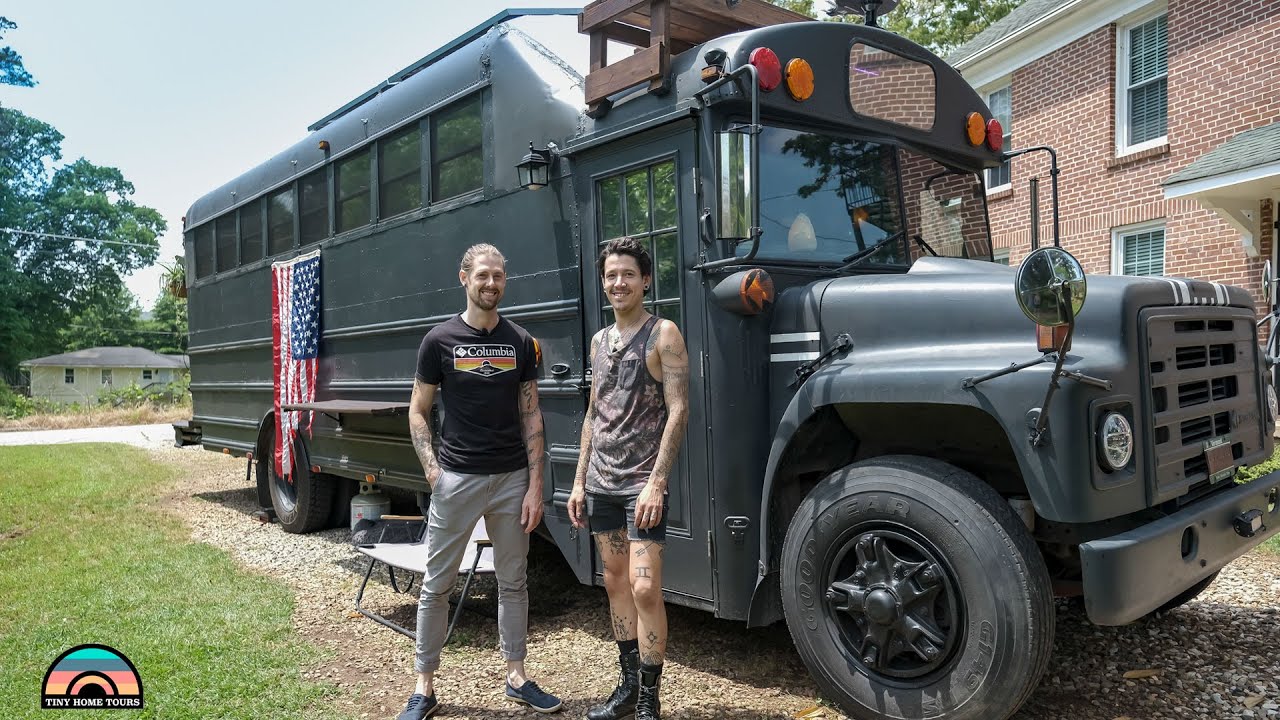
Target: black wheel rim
(892,598)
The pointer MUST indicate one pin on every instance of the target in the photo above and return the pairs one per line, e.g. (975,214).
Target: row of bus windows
(268,225)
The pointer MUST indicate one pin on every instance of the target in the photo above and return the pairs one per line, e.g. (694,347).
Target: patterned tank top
(630,415)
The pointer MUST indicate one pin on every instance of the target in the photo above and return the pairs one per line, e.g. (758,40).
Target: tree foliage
(12,71)
(944,25)
(940,25)
(53,288)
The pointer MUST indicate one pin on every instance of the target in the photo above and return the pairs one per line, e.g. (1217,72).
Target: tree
(944,25)
(12,71)
(168,325)
(47,281)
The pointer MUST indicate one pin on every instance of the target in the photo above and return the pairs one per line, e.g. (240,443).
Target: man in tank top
(634,425)
(489,465)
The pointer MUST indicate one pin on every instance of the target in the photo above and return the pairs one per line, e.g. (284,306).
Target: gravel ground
(1217,657)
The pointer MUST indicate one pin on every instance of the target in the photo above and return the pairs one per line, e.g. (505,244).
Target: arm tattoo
(531,428)
(584,442)
(420,428)
(675,391)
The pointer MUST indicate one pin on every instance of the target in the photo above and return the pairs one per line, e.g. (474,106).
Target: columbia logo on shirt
(485,360)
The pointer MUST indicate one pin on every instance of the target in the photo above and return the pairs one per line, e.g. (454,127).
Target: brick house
(1166,119)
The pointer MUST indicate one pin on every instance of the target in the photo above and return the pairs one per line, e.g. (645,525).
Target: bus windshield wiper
(856,259)
(920,241)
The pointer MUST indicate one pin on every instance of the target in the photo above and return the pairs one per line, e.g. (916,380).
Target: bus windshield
(829,200)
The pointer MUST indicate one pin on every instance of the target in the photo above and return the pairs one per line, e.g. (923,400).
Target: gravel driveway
(1218,657)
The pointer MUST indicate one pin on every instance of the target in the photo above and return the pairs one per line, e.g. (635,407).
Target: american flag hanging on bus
(295,342)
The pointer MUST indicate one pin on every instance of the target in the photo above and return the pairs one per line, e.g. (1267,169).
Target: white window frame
(107,377)
(1117,244)
(1000,253)
(1006,84)
(1121,88)
(68,376)
(148,374)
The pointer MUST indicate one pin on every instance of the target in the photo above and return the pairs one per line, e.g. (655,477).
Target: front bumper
(1128,575)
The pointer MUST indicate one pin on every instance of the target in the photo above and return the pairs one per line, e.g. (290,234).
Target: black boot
(621,705)
(648,707)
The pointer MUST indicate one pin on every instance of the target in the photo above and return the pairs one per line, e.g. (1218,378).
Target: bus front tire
(911,589)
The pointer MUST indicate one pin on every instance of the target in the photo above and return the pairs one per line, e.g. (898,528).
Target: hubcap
(896,607)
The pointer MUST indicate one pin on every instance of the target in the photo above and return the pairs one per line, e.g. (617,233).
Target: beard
(482,301)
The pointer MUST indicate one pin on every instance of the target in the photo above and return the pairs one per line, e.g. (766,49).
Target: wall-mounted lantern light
(534,170)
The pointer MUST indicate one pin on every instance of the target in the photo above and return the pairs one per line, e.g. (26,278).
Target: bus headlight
(1115,441)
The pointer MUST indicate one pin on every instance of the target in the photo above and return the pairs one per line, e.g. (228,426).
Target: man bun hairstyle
(475,251)
(627,246)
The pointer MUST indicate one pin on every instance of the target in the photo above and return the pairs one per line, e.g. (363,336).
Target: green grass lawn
(86,557)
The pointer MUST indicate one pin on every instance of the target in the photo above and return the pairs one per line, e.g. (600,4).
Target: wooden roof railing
(659,28)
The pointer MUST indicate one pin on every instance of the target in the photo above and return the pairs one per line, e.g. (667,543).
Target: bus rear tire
(303,505)
(911,590)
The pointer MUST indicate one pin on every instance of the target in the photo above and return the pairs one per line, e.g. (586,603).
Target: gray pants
(457,503)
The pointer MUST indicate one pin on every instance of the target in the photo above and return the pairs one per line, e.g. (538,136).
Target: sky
(182,96)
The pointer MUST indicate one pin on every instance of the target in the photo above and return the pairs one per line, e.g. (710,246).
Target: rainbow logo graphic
(91,677)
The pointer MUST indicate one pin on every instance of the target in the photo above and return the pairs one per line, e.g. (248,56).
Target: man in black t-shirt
(489,465)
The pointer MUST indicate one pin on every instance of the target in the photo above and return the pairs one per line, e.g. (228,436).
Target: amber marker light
(768,68)
(1051,339)
(995,135)
(975,128)
(370,479)
(799,79)
(756,290)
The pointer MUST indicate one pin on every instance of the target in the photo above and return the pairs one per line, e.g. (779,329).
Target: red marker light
(768,68)
(995,135)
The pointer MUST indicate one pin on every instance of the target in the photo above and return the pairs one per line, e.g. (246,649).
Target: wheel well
(837,435)
(262,456)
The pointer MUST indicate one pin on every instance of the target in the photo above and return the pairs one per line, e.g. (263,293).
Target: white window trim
(1117,241)
(986,95)
(64,376)
(1121,89)
(1000,253)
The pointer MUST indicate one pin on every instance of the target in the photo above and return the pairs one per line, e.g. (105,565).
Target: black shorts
(606,513)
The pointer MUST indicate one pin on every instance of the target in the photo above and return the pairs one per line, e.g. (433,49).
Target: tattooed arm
(420,428)
(577,499)
(535,445)
(673,363)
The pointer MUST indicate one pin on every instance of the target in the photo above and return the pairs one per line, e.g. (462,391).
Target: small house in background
(82,375)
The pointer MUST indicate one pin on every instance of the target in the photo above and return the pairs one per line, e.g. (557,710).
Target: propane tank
(370,504)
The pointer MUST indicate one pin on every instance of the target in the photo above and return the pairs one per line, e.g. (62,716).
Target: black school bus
(897,446)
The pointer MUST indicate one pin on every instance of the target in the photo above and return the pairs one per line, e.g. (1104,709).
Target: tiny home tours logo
(91,677)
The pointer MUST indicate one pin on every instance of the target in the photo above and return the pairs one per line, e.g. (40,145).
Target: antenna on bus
(868,9)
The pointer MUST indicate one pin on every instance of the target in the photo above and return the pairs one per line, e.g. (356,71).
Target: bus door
(645,190)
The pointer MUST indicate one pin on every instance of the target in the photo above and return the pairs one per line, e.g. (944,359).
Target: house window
(146,374)
(1138,250)
(69,376)
(1001,104)
(1000,255)
(457,143)
(106,377)
(1143,84)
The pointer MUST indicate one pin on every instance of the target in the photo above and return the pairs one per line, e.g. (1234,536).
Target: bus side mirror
(733,185)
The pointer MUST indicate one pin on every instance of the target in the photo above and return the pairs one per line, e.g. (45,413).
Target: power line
(123,331)
(81,239)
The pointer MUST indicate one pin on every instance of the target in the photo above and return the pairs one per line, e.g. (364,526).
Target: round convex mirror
(1045,281)
(1266,281)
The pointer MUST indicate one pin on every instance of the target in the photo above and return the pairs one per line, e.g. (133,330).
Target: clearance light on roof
(799,79)
(975,128)
(995,135)
(768,68)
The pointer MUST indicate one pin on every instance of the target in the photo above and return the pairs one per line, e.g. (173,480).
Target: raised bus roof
(442,51)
